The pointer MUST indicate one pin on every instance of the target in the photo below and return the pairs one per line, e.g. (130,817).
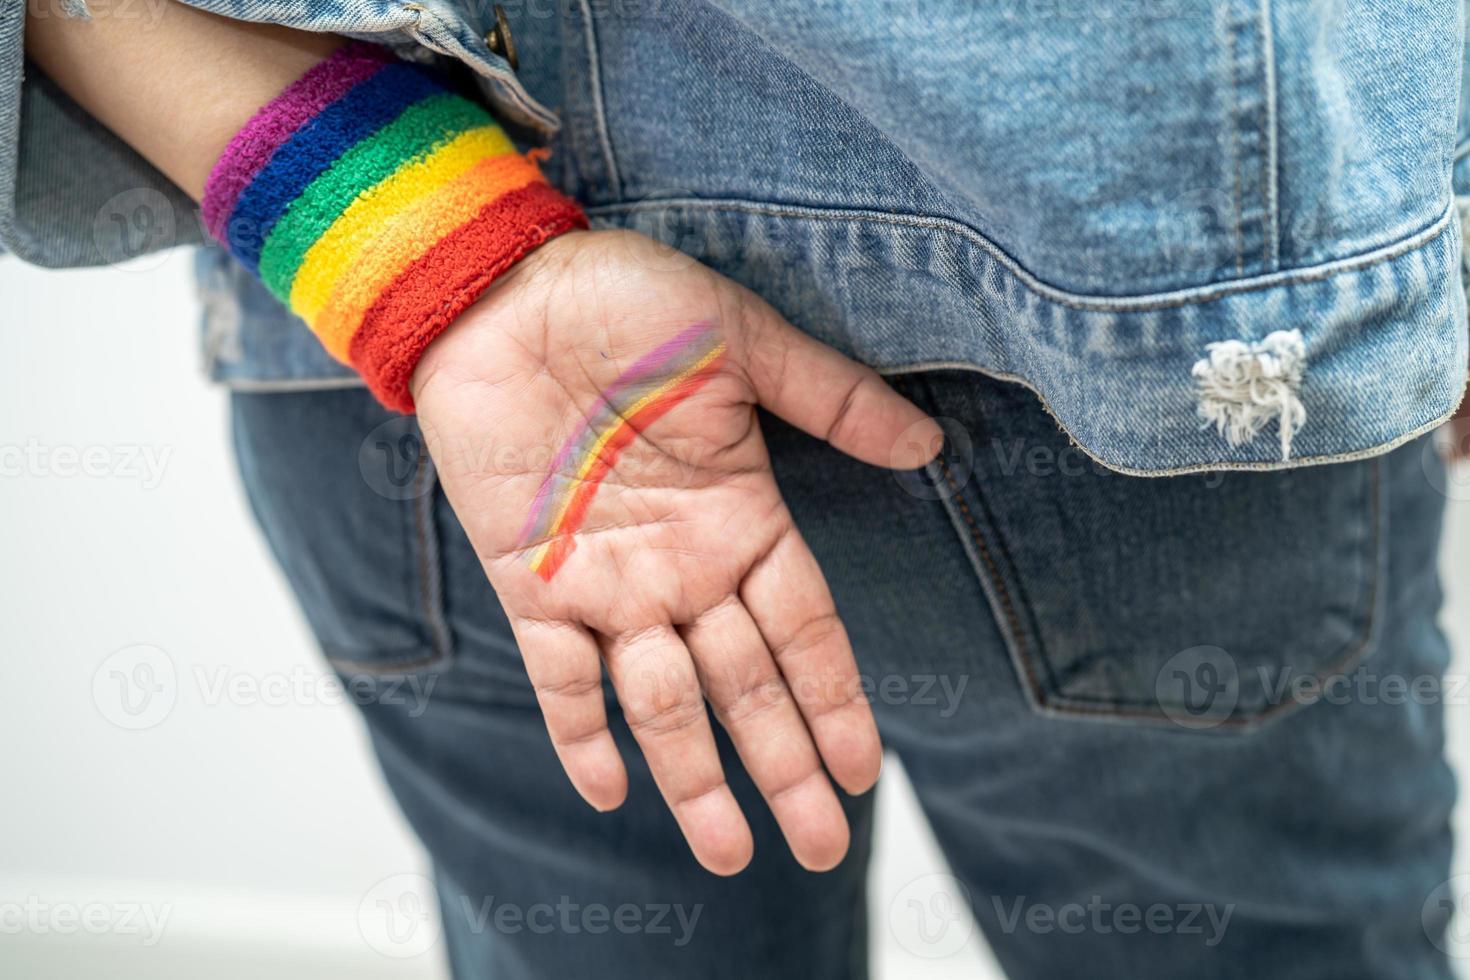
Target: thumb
(831,396)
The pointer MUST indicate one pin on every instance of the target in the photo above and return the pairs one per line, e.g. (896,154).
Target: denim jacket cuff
(71,193)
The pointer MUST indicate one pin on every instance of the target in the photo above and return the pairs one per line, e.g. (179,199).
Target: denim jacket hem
(1385,331)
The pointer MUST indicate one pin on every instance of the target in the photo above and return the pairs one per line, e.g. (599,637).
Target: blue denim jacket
(1080,196)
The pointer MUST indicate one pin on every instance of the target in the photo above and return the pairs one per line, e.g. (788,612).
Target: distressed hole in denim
(1243,386)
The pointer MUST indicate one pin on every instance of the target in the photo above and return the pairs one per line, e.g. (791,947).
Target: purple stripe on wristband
(278,120)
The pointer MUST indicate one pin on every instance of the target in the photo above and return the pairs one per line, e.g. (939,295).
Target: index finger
(827,394)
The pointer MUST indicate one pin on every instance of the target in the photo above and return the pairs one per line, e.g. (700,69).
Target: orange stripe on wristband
(406,236)
(337,252)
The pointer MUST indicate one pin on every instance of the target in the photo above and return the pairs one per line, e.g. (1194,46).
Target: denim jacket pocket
(1214,601)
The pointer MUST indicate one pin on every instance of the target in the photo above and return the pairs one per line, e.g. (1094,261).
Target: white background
(253,820)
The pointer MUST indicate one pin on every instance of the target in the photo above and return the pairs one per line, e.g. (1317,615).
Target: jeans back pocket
(1209,601)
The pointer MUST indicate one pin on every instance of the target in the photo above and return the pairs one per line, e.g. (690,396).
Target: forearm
(177,84)
(366,193)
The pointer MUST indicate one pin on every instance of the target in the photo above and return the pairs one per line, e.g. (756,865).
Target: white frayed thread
(1243,386)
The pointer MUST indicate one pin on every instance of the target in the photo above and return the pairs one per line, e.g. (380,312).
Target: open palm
(593,421)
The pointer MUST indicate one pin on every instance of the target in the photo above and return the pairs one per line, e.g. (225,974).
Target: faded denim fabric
(1218,695)
(1079,197)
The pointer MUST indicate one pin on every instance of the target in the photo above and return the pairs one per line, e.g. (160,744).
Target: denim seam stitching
(1029,649)
(1269,123)
(1230,118)
(431,586)
(383,664)
(404,16)
(1239,466)
(1016,636)
(991,583)
(1008,606)
(262,386)
(599,108)
(1078,301)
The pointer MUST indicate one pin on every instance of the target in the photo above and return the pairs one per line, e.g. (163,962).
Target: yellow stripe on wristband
(339,249)
(401,237)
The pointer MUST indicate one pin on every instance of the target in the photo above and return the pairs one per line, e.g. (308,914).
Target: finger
(751,700)
(565,667)
(662,702)
(788,598)
(834,397)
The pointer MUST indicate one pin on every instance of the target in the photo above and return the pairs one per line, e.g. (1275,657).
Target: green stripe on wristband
(417,132)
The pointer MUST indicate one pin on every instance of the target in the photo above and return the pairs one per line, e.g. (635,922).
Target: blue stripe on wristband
(313,148)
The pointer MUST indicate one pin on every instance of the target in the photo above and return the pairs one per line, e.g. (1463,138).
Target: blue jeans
(1183,726)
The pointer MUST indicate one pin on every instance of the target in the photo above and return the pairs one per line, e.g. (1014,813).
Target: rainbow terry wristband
(377,204)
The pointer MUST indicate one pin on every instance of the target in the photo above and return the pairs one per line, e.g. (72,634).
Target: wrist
(493,309)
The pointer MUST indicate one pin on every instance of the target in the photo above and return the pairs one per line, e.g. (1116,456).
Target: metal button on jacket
(499,39)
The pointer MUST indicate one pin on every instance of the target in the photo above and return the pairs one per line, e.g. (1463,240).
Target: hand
(593,421)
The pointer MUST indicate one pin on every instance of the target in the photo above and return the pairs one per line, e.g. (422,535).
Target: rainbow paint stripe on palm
(654,384)
(378,204)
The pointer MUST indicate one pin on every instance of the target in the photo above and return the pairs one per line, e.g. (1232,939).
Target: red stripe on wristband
(440,284)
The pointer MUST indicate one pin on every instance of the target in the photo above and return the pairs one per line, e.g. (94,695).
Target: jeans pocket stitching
(993,583)
(431,570)
(1017,636)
